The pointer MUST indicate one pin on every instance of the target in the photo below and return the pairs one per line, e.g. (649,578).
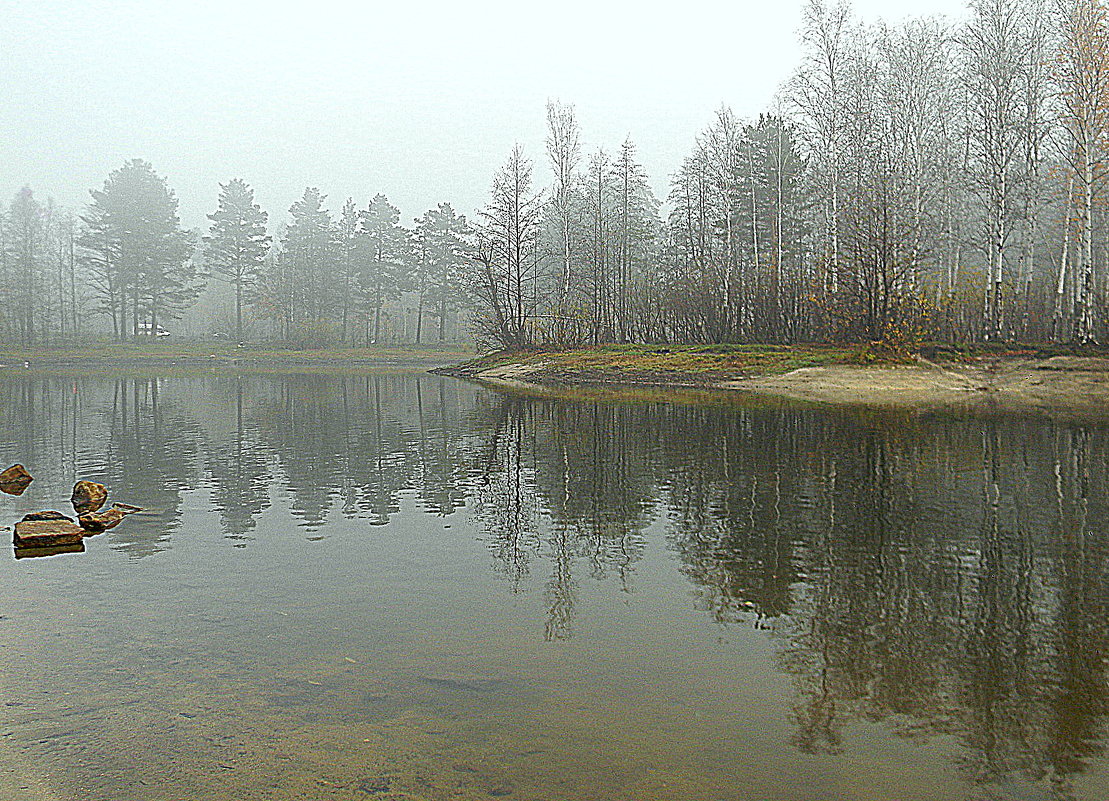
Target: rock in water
(88,496)
(34,516)
(54,550)
(95,522)
(15,479)
(47,533)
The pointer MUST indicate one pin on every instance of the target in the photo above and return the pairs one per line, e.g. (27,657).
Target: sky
(420,100)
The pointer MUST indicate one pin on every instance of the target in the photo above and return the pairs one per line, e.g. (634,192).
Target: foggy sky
(421,101)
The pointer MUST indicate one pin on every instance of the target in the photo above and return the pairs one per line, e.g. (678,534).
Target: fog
(420,101)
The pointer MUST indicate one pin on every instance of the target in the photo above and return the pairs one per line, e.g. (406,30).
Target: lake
(397,586)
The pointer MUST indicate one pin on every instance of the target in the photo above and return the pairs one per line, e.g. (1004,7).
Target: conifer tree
(237,243)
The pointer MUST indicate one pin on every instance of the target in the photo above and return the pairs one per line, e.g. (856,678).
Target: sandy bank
(1058,385)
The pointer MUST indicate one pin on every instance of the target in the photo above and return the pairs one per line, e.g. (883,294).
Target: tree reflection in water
(947,576)
(941,575)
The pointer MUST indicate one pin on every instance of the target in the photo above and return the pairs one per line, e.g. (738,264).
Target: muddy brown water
(400,586)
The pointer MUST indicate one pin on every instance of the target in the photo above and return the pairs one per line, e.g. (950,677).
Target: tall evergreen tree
(386,258)
(308,267)
(237,243)
(26,248)
(441,242)
(137,252)
(347,240)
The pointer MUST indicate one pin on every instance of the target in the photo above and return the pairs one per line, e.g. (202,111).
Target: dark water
(404,587)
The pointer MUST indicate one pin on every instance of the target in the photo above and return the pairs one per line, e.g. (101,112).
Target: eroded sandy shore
(1058,385)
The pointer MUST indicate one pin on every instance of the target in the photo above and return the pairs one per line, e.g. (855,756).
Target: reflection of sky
(729,593)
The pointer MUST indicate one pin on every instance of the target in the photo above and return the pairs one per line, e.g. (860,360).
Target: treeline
(924,179)
(125,266)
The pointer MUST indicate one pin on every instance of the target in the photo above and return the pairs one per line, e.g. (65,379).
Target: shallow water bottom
(403,587)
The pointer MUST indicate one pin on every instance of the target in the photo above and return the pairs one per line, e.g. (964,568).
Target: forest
(935,179)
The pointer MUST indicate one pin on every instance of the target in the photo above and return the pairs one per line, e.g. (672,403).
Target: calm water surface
(397,586)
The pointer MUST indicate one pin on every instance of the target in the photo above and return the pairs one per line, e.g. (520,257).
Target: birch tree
(817,92)
(564,153)
(1083,76)
(991,44)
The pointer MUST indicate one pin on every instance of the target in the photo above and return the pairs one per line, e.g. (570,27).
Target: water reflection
(942,576)
(946,576)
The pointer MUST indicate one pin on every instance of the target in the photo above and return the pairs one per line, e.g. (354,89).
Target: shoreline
(1044,381)
(1055,385)
(193,356)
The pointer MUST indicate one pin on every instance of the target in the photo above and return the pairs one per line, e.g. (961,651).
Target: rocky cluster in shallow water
(49,532)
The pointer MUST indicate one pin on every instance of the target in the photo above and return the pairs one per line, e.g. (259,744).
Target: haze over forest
(690,175)
(421,102)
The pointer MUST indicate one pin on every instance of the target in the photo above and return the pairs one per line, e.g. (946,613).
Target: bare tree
(1083,77)
(816,90)
(508,253)
(564,152)
(991,43)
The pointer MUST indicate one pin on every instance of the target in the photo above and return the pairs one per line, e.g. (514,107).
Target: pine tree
(136,251)
(386,258)
(237,243)
(26,247)
(309,260)
(347,239)
(441,240)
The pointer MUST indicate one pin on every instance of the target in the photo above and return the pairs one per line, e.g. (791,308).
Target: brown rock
(88,496)
(95,522)
(45,516)
(46,533)
(54,550)
(15,479)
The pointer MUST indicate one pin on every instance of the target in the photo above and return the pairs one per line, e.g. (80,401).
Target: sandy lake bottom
(400,586)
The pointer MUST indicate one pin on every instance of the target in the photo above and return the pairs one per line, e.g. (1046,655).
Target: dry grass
(694,362)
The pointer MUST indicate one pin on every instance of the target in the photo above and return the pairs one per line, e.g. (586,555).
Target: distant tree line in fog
(930,179)
(322,280)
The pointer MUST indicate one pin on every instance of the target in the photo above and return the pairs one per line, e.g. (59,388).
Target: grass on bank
(763,359)
(185,352)
(699,360)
